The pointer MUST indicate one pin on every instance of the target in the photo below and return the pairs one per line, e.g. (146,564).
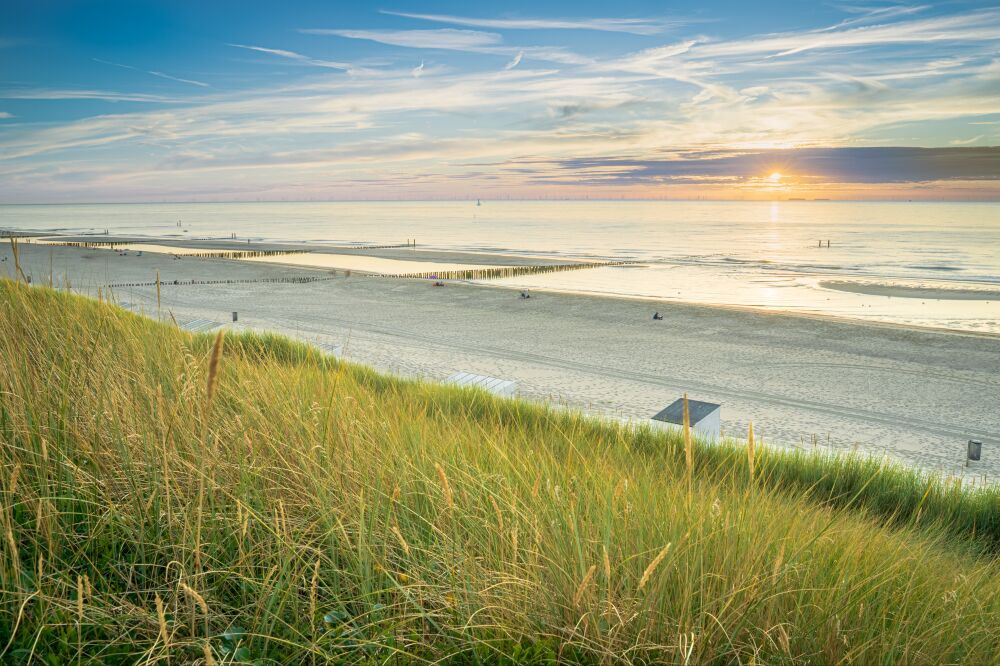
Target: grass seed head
(445,486)
(213,367)
(582,588)
(652,566)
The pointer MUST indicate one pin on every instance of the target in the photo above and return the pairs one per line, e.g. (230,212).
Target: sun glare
(775,177)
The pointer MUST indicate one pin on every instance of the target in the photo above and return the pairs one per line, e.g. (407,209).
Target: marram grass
(314,512)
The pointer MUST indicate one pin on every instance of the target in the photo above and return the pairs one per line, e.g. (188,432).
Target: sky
(418,99)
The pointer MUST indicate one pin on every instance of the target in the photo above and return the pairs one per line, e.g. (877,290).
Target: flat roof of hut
(330,349)
(697,411)
(198,325)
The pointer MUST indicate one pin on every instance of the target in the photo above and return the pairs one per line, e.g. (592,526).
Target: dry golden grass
(250,499)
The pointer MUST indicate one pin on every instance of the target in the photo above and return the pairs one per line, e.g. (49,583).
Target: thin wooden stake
(18,273)
(688,445)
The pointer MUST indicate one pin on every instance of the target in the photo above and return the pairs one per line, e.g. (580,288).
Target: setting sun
(775,177)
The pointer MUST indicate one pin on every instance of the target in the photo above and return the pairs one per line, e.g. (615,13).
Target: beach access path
(915,394)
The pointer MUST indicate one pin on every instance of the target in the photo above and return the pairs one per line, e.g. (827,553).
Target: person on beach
(657,316)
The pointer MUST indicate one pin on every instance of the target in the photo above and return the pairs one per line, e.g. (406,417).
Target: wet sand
(906,291)
(914,394)
(414,253)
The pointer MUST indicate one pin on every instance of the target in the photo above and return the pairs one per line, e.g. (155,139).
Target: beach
(916,395)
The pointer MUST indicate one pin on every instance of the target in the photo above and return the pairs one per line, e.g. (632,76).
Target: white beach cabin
(330,349)
(492,384)
(706,418)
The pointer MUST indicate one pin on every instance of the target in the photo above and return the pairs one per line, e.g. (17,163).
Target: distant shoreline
(434,257)
(497,200)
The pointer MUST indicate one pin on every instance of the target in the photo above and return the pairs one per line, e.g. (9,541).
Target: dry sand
(915,394)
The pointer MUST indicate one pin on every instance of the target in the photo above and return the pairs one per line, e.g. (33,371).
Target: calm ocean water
(755,254)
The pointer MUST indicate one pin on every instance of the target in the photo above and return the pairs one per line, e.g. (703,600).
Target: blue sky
(139,101)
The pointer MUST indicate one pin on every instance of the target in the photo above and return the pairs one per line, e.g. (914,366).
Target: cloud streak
(977,26)
(444,38)
(298,57)
(626,25)
(67,94)
(161,75)
(448,39)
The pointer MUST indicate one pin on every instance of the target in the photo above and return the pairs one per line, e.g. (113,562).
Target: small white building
(706,418)
(330,349)
(198,325)
(494,385)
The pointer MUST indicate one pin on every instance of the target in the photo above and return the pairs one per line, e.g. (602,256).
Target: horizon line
(521,200)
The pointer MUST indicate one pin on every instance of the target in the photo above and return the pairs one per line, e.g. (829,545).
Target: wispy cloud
(971,27)
(104,95)
(292,55)
(636,26)
(656,60)
(445,38)
(448,39)
(694,109)
(176,78)
(4,115)
(865,15)
(153,73)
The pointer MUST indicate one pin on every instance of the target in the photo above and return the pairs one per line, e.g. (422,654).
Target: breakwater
(241,254)
(167,283)
(181,251)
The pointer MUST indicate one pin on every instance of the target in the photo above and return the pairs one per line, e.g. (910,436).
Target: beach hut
(706,418)
(491,384)
(331,349)
(198,325)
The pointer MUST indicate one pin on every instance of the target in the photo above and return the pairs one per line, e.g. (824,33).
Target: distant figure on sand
(657,316)
(525,294)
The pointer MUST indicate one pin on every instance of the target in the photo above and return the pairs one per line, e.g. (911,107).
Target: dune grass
(169,498)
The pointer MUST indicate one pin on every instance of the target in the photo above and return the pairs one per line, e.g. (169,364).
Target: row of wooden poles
(280,280)
(208,254)
(505,271)
(241,254)
(225,254)
(89,244)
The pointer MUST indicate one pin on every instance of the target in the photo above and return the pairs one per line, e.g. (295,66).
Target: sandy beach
(918,395)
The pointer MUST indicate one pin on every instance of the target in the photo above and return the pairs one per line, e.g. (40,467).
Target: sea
(908,263)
